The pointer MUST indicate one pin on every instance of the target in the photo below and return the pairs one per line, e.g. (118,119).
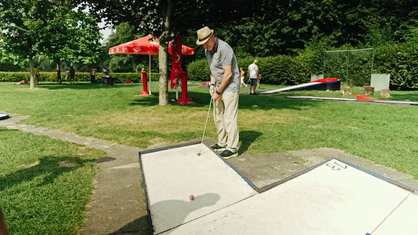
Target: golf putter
(204,128)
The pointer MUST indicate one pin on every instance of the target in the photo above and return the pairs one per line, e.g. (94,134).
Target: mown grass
(45,184)
(385,134)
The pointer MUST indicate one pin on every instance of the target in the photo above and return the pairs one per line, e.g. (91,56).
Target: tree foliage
(280,27)
(254,28)
(124,33)
(263,27)
(52,29)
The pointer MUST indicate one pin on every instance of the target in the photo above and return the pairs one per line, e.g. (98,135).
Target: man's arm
(212,82)
(224,83)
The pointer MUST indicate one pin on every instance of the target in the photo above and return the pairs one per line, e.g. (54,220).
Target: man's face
(210,44)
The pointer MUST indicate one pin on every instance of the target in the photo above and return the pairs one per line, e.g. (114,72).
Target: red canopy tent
(148,45)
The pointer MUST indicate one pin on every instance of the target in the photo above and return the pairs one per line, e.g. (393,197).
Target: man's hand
(215,96)
(212,91)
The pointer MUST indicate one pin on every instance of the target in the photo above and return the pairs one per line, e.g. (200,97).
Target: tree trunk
(162,57)
(58,63)
(163,84)
(32,76)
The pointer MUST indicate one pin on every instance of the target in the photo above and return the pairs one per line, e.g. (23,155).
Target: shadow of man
(170,214)
(49,168)
(247,138)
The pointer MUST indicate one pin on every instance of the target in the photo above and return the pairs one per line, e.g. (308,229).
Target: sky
(105,32)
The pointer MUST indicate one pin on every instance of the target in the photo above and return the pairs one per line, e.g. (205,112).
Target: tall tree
(166,18)
(31,29)
(71,36)
(124,32)
(21,24)
(257,27)
(148,16)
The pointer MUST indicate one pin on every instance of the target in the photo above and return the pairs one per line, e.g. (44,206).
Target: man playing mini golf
(224,88)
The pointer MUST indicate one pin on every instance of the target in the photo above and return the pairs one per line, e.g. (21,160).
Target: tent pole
(149,67)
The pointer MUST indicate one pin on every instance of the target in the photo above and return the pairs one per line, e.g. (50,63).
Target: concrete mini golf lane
(332,198)
(172,175)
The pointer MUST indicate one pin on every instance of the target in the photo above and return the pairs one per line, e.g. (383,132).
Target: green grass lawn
(385,134)
(45,184)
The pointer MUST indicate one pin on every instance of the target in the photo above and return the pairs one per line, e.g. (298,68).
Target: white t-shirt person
(253,71)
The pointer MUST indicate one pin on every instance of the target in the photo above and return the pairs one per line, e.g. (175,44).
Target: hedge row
(400,61)
(281,69)
(52,76)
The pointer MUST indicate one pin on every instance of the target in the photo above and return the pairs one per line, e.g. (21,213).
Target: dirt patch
(267,168)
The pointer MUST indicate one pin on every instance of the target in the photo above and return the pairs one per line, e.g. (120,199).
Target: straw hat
(203,35)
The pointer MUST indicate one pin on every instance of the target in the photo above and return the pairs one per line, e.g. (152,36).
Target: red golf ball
(191,197)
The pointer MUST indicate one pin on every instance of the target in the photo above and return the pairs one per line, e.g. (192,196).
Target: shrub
(52,76)
(275,70)
(198,70)
(400,60)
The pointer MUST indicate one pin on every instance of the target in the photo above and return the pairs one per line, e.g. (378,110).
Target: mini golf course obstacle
(4,115)
(329,84)
(359,98)
(191,194)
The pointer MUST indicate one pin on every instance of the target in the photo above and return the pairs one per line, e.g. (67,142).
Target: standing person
(253,71)
(242,74)
(93,75)
(105,75)
(72,73)
(224,89)
(67,74)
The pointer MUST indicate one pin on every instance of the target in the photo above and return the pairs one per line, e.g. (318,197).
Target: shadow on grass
(84,86)
(150,100)
(247,138)
(201,99)
(49,167)
(271,102)
(198,99)
(408,96)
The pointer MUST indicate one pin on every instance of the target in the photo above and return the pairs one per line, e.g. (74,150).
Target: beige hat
(203,35)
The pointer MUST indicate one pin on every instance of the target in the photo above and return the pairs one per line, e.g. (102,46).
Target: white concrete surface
(334,198)
(403,220)
(172,175)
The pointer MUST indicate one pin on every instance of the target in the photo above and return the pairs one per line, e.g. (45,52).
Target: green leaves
(50,29)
